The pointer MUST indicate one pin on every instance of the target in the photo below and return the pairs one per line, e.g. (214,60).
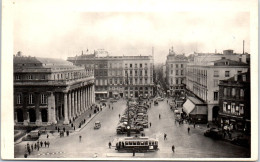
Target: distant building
(203,77)
(234,102)
(50,91)
(176,73)
(120,76)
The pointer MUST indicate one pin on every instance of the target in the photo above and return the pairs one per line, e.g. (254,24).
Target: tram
(139,144)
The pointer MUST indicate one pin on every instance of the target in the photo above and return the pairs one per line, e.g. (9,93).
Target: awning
(101,92)
(188,106)
(202,110)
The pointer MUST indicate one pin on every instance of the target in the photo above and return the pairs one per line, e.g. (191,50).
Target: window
(171,65)
(239,72)
(177,81)
(145,72)
(176,65)
(17,77)
(224,106)
(141,73)
(141,81)
(215,96)
(171,71)
(225,91)
(30,101)
(215,83)
(177,72)
(181,65)
(110,81)
(141,65)
(130,65)
(216,74)
(135,72)
(241,93)
(145,65)
(181,72)
(19,99)
(126,73)
(226,73)
(121,81)
(135,65)
(241,109)
(131,73)
(125,65)
(244,78)
(145,80)
(233,92)
(43,99)
(233,110)
(115,80)
(228,107)
(29,77)
(136,81)
(171,81)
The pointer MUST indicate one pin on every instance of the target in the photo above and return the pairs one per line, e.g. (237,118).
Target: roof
(228,62)
(195,100)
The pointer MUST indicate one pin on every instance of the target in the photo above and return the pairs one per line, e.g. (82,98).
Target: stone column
(76,103)
(28,117)
(81,101)
(73,105)
(84,99)
(37,109)
(90,95)
(51,109)
(66,120)
(94,100)
(69,106)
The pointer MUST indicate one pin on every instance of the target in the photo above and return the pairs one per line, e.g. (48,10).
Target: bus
(139,144)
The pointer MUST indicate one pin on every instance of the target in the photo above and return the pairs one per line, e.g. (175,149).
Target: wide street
(94,143)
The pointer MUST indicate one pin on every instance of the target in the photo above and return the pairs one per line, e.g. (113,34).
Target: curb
(79,129)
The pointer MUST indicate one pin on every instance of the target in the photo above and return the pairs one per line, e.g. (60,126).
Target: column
(84,99)
(15,117)
(37,111)
(94,100)
(69,108)
(72,105)
(51,109)
(82,104)
(76,103)
(90,95)
(66,121)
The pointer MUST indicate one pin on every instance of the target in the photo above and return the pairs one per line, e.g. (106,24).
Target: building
(234,102)
(176,73)
(203,78)
(119,76)
(49,91)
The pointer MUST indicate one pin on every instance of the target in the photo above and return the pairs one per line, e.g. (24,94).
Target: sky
(52,29)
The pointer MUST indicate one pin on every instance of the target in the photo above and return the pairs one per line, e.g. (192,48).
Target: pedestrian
(133,151)
(25,155)
(45,143)
(159,116)
(150,124)
(207,125)
(109,144)
(48,143)
(32,147)
(63,129)
(173,148)
(58,129)
(41,143)
(112,107)
(47,136)
(188,129)
(80,138)
(74,127)
(68,133)
(45,129)
(194,125)
(29,150)
(165,136)
(119,116)
(35,146)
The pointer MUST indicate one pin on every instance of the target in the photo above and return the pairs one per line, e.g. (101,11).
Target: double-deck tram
(139,144)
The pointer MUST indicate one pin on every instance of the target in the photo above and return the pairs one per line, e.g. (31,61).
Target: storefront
(196,110)
(101,94)
(232,123)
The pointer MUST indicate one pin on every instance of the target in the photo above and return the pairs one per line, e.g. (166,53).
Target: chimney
(243,46)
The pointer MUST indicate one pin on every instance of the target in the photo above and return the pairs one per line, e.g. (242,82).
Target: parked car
(155,103)
(160,99)
(103,100)
(97,125)
(213,133)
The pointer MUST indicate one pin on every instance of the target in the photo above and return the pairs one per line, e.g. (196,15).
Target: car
(97,125)
(213,133)
(160,99)
(103,100)
(155,103)
(113,100)
(241,141)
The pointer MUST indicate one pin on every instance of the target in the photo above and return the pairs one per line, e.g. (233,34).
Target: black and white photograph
(146,80)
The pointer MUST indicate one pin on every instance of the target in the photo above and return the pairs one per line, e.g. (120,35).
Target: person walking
(45,143)
(35,146)
(109,144)
(150,124)
(194,125)
(119,116)
(173,148)
(165,136)
(47,136)
(48,143)
(159,116)
(80,138)
(41,143)
(133,151)
(58,129)
(188,130)
(32,147)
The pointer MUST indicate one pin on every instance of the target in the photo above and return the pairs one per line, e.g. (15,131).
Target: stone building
(234,102)
(202,80)
(49,91)
(176,73)
(111,74)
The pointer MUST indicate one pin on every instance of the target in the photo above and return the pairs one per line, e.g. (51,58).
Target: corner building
(50,91)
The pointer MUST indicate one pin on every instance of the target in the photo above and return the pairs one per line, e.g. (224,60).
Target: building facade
(234,102)
(119,76)
(203,78)
(49,91)
(176,73)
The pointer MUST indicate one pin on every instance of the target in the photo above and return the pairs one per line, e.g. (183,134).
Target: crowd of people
(36,146)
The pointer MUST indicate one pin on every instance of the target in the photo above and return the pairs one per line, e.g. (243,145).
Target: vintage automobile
(155,103)
(97,125)
(213,133)
(160,99)
(121,129)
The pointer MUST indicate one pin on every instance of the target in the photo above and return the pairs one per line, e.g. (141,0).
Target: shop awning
(101,92)
(188,106)
(202,110)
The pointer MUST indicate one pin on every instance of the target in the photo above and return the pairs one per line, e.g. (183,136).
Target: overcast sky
(45,30)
